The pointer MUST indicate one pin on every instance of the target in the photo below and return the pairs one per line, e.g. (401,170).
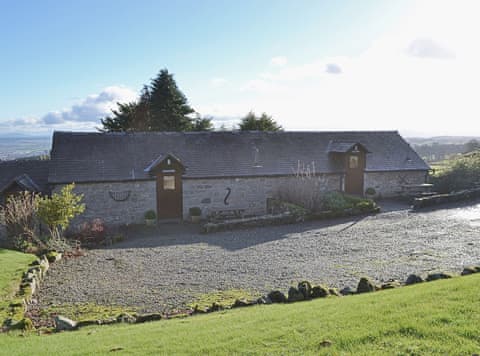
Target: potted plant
(195,214)
(150,218)
(370,192)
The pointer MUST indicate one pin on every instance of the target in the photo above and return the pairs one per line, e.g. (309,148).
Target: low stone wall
(388,184)
(282,219)
(31,281)
(439,199)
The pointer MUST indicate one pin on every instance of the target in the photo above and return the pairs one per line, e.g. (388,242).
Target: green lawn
(12,265)
(440,317)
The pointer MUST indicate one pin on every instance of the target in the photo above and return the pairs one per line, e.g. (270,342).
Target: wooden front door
(169,195)
(355,166)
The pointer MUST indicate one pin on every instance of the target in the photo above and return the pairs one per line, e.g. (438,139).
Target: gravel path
(169,268)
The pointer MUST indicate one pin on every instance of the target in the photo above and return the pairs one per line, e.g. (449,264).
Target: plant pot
(195,219)
(150,222)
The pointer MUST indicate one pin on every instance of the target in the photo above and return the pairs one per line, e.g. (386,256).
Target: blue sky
(64,64)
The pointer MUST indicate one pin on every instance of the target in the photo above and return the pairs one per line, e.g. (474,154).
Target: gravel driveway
(174,264)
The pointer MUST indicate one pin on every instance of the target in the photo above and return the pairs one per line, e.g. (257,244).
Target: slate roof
(340,146)
(88,157)
(29,174)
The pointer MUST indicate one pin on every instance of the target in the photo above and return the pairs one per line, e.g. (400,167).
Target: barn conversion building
(122,175)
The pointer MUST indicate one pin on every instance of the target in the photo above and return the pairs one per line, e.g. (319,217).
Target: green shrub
(462,173)
(195,211)
(370,191)
(58,210)
(365,205)
(150,215)
(295,209)
(335,201)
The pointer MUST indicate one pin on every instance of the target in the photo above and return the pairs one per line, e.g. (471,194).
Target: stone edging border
(282,219)
(304,291)
(31,281)
(438,199)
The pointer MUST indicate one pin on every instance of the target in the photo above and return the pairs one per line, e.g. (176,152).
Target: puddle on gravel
(472,214)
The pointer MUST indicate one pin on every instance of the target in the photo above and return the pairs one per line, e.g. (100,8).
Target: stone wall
(119,203)
(250,194)
(388,184)
(116,203)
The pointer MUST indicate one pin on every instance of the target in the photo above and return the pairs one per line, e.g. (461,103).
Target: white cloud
(84,115)
(92,108)
(333,68)
(279,61)
(428,48)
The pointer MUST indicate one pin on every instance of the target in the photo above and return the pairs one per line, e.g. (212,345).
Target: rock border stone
(32,278)
(438,199)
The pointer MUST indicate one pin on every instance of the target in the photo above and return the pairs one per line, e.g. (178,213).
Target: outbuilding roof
(31,175)
(88,157)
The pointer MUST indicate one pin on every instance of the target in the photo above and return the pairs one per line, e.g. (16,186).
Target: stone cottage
(122,175)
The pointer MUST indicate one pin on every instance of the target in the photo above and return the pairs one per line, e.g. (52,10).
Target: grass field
(440,317)
(12,265)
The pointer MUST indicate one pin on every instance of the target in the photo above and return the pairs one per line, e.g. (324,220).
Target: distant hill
(456,140)
(13,147)
(435,149)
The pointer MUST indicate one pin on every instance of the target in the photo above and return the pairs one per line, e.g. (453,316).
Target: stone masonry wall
(249,194)
(388,184)
(119,203)
(106,201)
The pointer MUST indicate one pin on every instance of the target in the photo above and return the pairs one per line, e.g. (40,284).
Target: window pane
(169,182)
(353,162)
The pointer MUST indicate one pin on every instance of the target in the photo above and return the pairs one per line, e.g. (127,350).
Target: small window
(168,182)
(353,162)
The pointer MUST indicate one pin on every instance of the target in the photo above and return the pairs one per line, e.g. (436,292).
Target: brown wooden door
(355,165)
(169,195)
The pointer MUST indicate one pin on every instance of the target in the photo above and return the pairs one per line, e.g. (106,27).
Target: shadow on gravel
(172,234)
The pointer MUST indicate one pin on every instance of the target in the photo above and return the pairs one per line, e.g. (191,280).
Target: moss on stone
(88,311)
(52,256)
(224,298)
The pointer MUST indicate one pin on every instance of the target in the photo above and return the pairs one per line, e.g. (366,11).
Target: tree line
(163,107)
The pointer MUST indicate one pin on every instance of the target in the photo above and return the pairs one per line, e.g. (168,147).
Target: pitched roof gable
(29,174)
(84,157)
